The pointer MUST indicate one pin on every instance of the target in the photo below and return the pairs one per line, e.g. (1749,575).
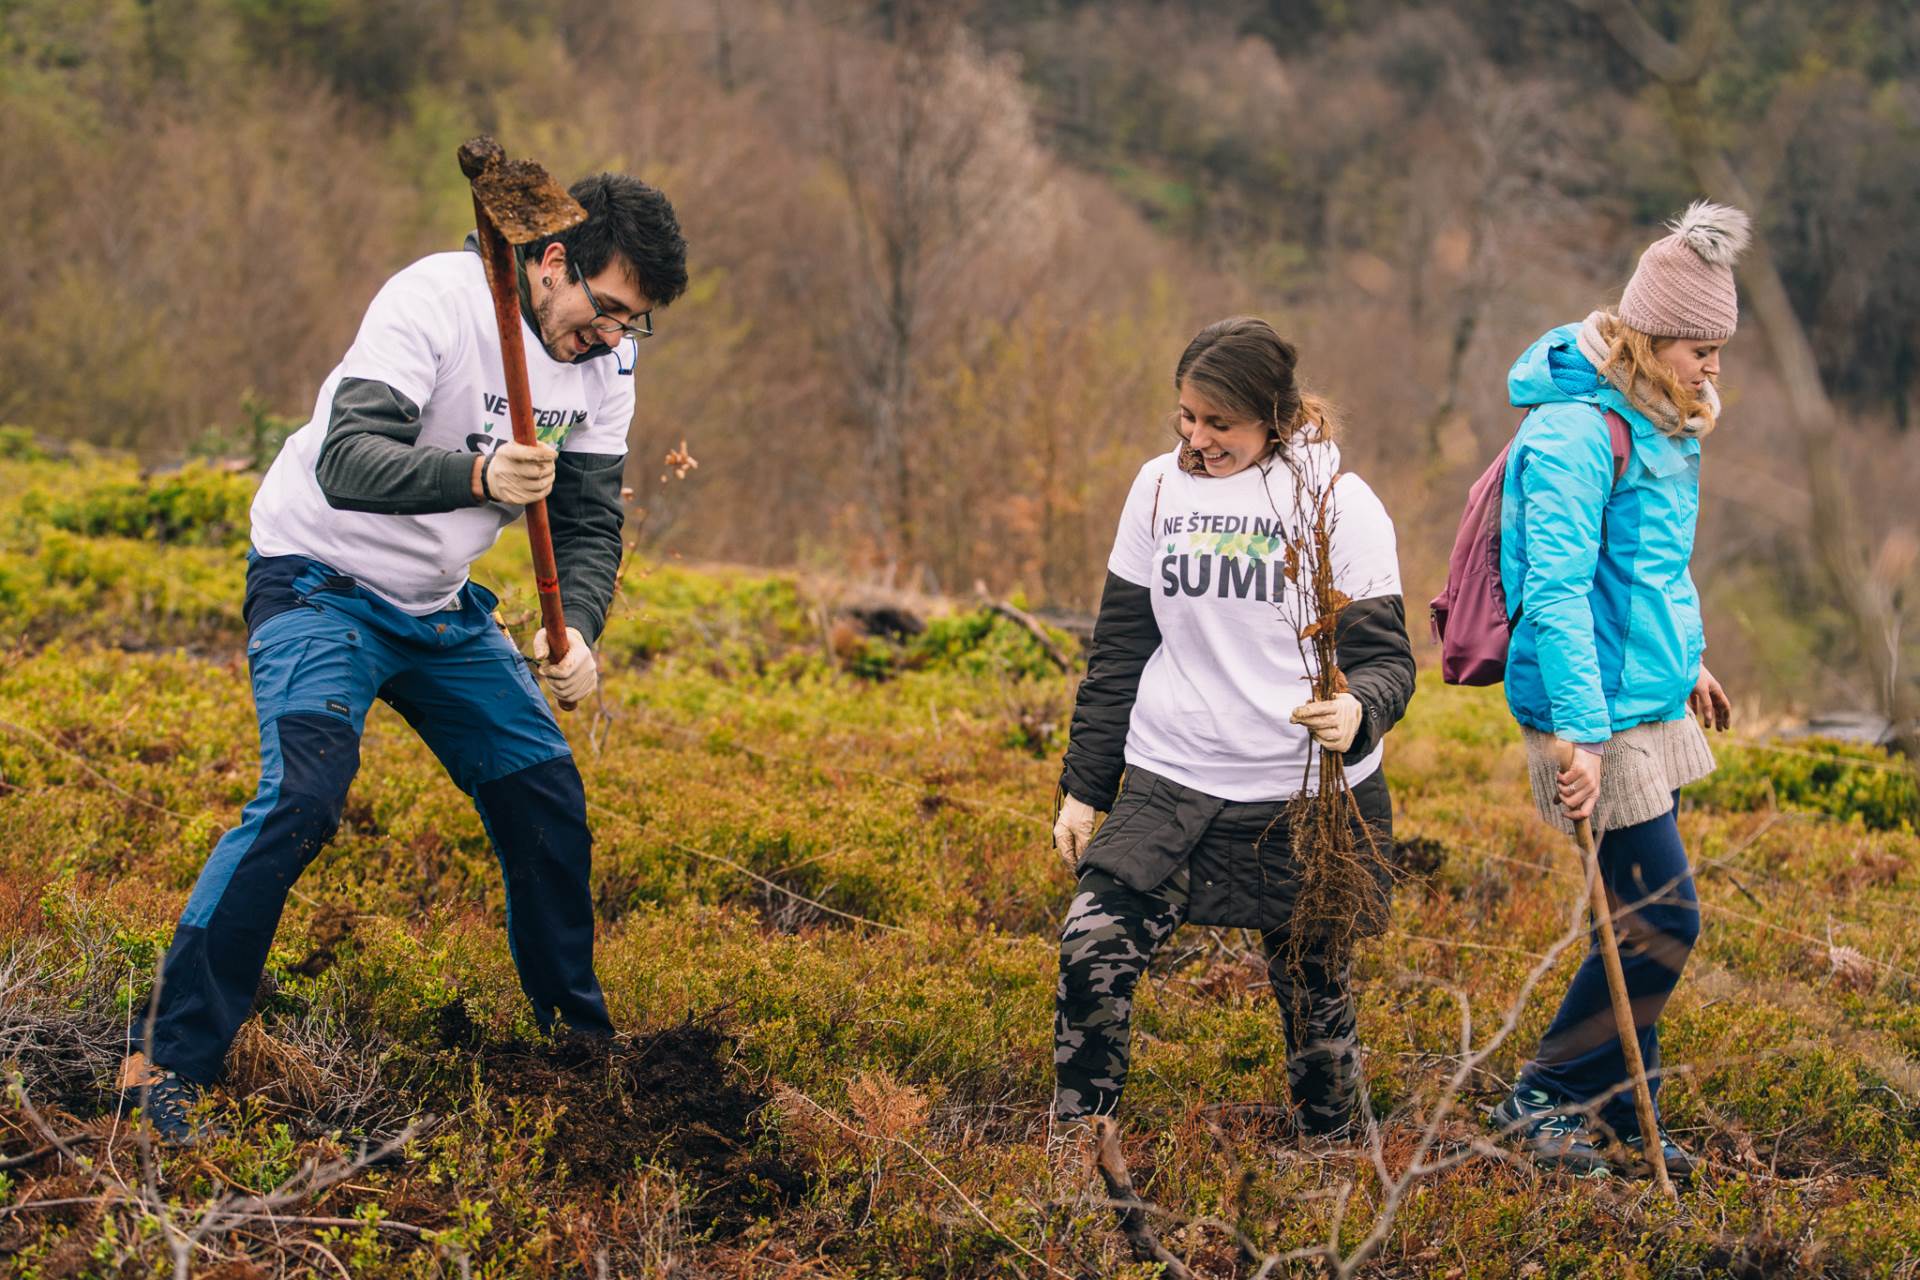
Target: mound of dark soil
(1420,856)
(671,1099)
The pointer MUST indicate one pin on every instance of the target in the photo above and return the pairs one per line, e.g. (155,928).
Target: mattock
(516,202)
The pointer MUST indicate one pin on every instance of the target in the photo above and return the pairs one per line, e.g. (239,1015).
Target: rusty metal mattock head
(518,196)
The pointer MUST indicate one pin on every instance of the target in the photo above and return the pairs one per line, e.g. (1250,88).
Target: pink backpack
(1471,623)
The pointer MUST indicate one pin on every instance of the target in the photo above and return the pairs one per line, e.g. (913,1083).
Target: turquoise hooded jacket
(1609,632)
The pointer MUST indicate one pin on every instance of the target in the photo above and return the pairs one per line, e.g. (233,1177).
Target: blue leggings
(1657,918)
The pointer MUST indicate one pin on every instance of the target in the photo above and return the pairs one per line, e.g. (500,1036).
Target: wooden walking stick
(1602,908)
(515,202)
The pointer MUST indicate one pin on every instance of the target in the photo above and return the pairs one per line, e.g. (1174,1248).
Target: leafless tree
(933,146)
(1510,180)
(1872,601)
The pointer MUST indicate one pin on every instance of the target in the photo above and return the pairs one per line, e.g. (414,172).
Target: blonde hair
(1649,383)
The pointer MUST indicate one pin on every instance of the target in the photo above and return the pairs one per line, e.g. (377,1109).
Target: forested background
(944,259)
(945,255)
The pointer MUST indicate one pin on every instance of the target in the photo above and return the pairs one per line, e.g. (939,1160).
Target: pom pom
(1717,232)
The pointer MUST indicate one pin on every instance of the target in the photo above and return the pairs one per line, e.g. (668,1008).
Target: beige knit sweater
(1640,770)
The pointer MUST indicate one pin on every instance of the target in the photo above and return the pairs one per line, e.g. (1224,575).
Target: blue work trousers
(321,648)
(1657,920)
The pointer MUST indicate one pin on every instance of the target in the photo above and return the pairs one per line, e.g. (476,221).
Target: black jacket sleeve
(1374,653)
(586,516)
(1124,637)
(369,461)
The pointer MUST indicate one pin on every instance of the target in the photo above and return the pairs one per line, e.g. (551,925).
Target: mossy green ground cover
(827,913)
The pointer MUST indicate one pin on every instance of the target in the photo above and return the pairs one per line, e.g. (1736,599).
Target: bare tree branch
(1838,545)
(1132,1213)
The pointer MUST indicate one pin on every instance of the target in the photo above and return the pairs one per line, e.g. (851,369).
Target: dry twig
(1129,1209)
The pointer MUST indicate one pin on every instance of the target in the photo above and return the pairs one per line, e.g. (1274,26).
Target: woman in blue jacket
(1607,650)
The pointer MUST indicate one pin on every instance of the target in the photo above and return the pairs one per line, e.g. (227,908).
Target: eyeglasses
(606,325)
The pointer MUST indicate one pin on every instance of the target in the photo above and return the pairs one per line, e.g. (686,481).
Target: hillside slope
(827,913)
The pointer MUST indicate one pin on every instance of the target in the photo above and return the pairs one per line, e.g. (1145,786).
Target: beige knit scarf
(1596,340)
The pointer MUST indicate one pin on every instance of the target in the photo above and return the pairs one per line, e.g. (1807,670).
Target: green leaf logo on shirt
(1247,546)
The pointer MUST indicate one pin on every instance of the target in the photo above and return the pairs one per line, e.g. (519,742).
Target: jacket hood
(1553,371)
(1316,458)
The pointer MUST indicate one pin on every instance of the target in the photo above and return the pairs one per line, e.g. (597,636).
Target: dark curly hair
(630,218)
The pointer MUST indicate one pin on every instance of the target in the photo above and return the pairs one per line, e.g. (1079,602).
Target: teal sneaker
(1681,1166)
(1556,1139)
(164,1099)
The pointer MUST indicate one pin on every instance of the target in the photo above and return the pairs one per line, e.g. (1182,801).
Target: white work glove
(1334,723)
(518,473)
(1072,830)
(573,677)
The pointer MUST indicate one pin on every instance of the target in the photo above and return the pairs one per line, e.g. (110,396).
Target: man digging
(364,532)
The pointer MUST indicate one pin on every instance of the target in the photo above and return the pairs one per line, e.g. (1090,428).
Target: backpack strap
(1619,440)
(1620,437)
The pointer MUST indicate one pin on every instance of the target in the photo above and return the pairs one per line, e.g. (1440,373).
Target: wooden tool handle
(501,279)
(1602,908)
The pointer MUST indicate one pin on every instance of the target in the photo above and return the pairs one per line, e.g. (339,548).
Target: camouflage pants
(1110,935)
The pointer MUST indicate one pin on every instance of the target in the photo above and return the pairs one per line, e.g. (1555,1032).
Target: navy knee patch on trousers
(206,991)
(537,820)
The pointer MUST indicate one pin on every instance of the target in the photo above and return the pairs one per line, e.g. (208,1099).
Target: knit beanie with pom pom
(1683,287)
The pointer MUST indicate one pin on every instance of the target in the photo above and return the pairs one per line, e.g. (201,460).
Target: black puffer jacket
(1241,872)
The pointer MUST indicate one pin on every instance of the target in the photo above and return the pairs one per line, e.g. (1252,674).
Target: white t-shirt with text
(430,334)
(1215,697)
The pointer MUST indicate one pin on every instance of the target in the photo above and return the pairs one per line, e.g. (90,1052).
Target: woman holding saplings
(1196,690)
(1606,653)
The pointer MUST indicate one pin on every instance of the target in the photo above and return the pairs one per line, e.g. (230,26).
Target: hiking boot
(165,1099)
(1681,1166)
(1555,1138)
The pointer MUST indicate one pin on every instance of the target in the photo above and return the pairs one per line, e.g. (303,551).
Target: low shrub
(1817,775)
(256,438)
(842,891)
(195,506)
(19,443)
(983,643)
